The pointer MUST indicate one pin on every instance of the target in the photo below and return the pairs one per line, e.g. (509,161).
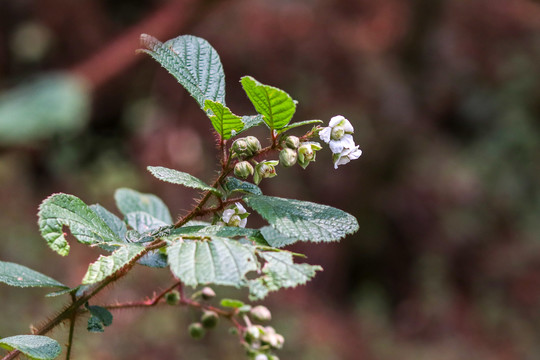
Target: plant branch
(71,329)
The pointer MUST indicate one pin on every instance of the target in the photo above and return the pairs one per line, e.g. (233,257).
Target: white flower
(338,134)
(346,156)
(235,216)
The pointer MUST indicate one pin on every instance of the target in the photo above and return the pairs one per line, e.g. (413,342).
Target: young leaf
(298,124)
(280,271)
(113,221)
(303,220)
(276,106)
(232,184)
(193,62)
(34,346)
(232,303)
(128,201)
(181,178)
(107,265)
(21,276)
(214,260)
(99,319)
(85,225)
(223,120)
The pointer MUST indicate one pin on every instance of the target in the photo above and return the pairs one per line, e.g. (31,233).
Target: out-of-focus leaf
(128,201)
(49,105)
(34,346)
(21,276)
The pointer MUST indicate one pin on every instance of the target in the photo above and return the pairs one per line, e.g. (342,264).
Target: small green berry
(196,330)
(209,319)
(172,297)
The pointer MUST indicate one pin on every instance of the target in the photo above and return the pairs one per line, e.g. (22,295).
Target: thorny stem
(71,329)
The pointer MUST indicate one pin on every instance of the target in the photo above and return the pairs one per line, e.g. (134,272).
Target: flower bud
(252,334)
(254,144)
(240,148)
(292,142)
(207,293)
(306,153)
(265,169)
(209,319)
(196,331)
(261,357)
(243,169)
(172,297)
(261,313)
(288,157)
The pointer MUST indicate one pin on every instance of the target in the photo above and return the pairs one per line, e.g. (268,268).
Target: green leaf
(251,121)
(21,276)
(113,221)
(275,238)
(276,106)
(302,220)
(62,292)
(52,104)
(99,319)
(128,201)
(108,265)
(298,124)
(280,271)
(232,303)
(232,184)
(223,120)
(214,260)
(211,230)
(85,225)
(34,346)
(193,62)
(181,178)
(144,222)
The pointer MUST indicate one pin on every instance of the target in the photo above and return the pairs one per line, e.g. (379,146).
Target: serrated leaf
(21,276)
(280,271)
(36,347)
(211,230)
(303,220)
(223,120)
(113,221)
(276,106)
(275,238)
(107,265)
(181,178)
(232,303)
(298,124)
(99,319)
(85,225)
(214,260)
(193,62)
(59,100)
(144,222)
(232,184)
(128,201)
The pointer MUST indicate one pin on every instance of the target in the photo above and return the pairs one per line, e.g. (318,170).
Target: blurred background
(445,100)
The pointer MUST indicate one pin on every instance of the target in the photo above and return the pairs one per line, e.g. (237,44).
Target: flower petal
(325,133)
(336,146)
(336,120)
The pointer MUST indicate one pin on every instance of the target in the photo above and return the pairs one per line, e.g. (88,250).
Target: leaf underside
(34,346)
(129,201)
(180,178)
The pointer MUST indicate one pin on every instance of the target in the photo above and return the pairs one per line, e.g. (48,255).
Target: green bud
(265,169)
(240,147)
(209,319)
(196,330)
(252,334)
(306,153)
(254,145)
(292,142)
(233,331)
(261,313)
(243,169)
(172,297)
(288,157)
(207,293)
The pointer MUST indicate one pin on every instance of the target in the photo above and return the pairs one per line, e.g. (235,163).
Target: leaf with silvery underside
(217,230)
(280,272)
(211,260)
(276,238)
(232,184)
(18,275)
(298,124)
(302,220)
(193,62)
(144,222)
(275,105)
(223,120)
(113,221)
(105,266)
(180,178)
(60,210)
(36,347)
(249,122)
(128,200)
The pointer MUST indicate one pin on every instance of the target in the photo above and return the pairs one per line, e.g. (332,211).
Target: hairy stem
(71,329)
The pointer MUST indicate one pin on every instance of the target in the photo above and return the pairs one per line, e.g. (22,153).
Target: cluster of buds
(338,135)
(236,216)
(246,147)
(296,151)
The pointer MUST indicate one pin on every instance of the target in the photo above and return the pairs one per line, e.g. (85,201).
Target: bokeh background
(445,99)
